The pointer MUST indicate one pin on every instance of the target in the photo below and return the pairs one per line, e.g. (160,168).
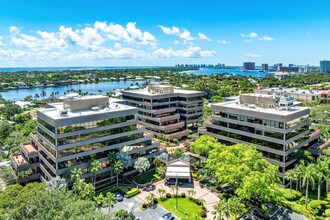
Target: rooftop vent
(63,112)
(95,108)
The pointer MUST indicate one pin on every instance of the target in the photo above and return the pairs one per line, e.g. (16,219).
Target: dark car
(119,197)
(170,182)
(167,216)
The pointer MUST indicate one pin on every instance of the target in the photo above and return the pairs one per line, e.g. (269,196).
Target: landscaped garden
(127,191)
(145,177)
(187,208)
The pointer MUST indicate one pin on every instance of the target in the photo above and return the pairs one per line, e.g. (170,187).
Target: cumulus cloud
(13,30)
(129,34)
(191,52)
(223,42)
(251,35)
(1,42)
(266,38)
(247,41)
(169,30)
(253,55)
(203,37)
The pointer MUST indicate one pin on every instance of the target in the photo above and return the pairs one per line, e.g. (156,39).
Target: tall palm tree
(161,192)
(309,179)
(290,175)
(220,209)
(96,167)
(191,193)
(110,200)
(118,168)
(43,94)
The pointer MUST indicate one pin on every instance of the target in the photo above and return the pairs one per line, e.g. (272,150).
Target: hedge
(291,196)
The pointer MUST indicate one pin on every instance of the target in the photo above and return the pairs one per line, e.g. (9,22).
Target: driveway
(133,205)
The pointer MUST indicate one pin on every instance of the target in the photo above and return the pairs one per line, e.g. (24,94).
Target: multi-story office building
(165,110)
(249,66)
(264,67)
(274,125)
(73,132)
(306,95)
(325,66)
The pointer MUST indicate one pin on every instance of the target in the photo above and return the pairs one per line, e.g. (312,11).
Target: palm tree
(290,175)
(235,206)
(220,208)
(308,178)
(150,198)
(110,200)
(161,192)
(43,94)
(118,168)
(76,174)
(96,167)
(191,193)
(36,96)
(175,190)
(321,171)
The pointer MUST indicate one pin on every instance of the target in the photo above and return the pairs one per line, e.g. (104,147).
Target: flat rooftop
(294,91)
(276,111)
(29,148)
(176,91)
(55,108)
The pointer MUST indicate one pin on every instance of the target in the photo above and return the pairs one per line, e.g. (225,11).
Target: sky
(39,33)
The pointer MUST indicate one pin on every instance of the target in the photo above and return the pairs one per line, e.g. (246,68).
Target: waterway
(103,87)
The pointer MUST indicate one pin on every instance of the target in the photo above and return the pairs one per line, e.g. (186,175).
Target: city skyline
(78,33)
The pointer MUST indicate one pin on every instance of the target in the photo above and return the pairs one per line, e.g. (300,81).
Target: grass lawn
(145,177)
(187,209)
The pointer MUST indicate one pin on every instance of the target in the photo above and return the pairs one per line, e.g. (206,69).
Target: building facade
(72,133)
(165,110)
(306,95)
(249,66)
(264,67)
(325,66)
(274,125)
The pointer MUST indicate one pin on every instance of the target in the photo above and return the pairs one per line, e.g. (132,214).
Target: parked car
(170,182)
(167,216)
(119,197)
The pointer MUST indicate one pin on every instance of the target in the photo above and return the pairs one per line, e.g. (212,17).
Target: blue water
(20,94)
(233,71)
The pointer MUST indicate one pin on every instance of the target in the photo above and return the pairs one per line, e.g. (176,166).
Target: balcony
(177,135)
(163,110)
(20,163)
(28,150)
(172,126)
(318,147)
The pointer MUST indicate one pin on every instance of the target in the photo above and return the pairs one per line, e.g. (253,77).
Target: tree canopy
(204,144)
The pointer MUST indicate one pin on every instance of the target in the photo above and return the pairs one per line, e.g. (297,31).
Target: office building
(325,66)
(264,67)
(165,110)
(274,125)
(306,95)
(78,129)
(277,66)
(249,66)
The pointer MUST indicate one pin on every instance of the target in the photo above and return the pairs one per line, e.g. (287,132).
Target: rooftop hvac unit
(63,112)
(95,108)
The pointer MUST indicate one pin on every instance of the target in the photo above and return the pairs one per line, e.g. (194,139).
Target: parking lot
(133,205)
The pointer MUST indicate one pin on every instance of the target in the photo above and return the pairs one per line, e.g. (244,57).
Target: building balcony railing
(318,147)
(177,135)
(172,126)
(163,110)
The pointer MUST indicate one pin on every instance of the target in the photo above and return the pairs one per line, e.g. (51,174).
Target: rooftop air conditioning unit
(63,112)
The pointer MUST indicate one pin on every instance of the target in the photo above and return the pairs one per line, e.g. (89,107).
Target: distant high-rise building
(291,65)
(277,66)
(264,67)
(325,66)
(249,66)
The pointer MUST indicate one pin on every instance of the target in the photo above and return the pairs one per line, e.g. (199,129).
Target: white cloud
(191,52)
(176,42)
(203,37)
(185,34)
(1,42)
(223,42)
(253,55)
(129,34)
(169,30)
(251,35)
(13,30)
(266,38)
(247,41)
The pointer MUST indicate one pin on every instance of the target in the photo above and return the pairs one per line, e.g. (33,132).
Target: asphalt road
(133,205)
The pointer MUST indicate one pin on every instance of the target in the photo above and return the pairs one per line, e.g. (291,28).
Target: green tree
(76,174)
(204,145)
(57,183)
(191,193)
(124,215)
(117,169)
(95,168)
(290,175)
(142,164)
(309,179)
(161,192)
(24,176)
(236,206)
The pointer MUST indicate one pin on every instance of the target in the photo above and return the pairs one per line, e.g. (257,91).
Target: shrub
(183,195)
(291,196)
(175,140)
(132,192)
(316,207)
(144,205)
(168,195)
(155,200)
(198,202)
(203,214)
(327,213)
(194,175)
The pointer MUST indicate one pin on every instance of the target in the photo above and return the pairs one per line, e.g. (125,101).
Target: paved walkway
(201,193)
